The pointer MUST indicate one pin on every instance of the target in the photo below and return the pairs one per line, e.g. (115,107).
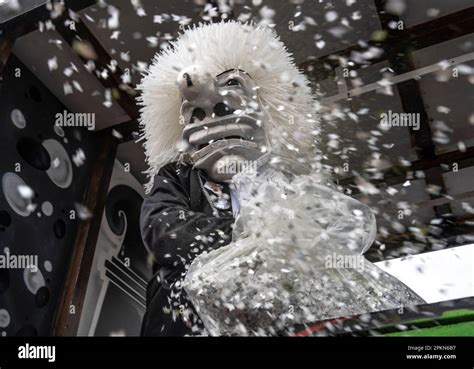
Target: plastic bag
(296,258)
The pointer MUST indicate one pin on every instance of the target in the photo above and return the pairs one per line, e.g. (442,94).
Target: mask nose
(196,85)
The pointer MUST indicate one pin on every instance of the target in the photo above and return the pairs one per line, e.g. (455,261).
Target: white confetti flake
(267,13)
(432,12)
(79,158)
(117,134)
(26,192)
(67,88)
(53,63)
(77,86)
(331,16)
(115,35)
(396,7)
(114,14)
(443,109)
(320,44)
(82,211)
(471,119)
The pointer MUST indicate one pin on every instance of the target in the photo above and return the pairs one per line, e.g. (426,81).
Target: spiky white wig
(283,90)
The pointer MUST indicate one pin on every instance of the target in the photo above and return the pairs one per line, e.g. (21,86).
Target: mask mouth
(224,146)
(227,138)
(241,128)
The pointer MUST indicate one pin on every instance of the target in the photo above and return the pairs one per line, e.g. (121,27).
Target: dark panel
(27,116)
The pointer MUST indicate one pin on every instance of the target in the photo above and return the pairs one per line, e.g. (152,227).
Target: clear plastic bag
(296,258)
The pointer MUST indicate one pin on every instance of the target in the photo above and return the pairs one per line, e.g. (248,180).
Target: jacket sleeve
(171,230)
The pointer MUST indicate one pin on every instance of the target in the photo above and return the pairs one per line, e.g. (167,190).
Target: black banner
(289,352)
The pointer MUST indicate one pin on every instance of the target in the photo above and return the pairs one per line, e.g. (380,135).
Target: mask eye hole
(198,114)
(233,82)
(221,110)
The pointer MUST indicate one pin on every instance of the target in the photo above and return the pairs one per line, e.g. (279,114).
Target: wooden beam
(450,232)
(418,37)
(444,200)
(128,130)
(463,159)
(397,45)
(81,36)
(6,47)
(66,320)
(398,173)
(412,102)
(28,21)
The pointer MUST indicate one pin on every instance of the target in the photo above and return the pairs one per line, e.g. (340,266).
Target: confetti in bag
(296,258)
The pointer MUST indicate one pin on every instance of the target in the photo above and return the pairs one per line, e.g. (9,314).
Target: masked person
(237,207)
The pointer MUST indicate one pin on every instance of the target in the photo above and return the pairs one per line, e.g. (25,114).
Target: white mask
(223,121)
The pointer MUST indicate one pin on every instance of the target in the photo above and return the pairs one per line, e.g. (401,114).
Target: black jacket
(183,215)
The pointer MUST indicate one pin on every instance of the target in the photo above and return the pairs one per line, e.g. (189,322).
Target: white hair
(283,90)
